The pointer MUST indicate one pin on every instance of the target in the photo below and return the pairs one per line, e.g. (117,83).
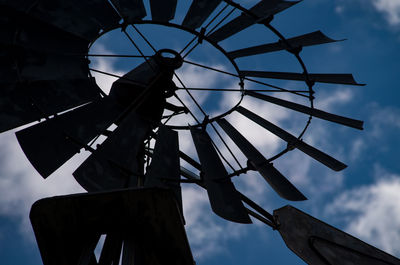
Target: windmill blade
(48,145)
(164,168)
(24,31)
(263,10)
(224,198)
(357,124)
(112,165)
(319,243)
(310,39)
(198,12)
(65,15)
(292,140)
(38,66)
(345,79)
(276,180)
(130,10)
(23,103)
(100,11)
(163,10)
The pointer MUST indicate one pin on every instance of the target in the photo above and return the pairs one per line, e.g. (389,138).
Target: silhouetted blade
(38,66)
(318,243)
(198,12)
(100,11)
(164,170)
(224,198)
(313,38)
(163,10)
(110,254)
(357,124)
(21,30)
(278,182)
(66,15)
(130,10)
(346,79)
(263,10)
(23,103)
(116,163)
(48,145)
(292,140)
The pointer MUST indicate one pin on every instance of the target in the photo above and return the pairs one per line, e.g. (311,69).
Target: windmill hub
(170,59)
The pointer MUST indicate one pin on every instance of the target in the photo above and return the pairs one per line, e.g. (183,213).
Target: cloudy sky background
(362,199)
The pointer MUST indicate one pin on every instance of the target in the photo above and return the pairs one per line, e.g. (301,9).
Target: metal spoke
(212,125)
(240,90)
(212,20)
(118,76)
(219,23)
(144,38)
(113,55)
(245,78)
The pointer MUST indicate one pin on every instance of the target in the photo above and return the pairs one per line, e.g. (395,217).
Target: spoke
(144,38)
(114,55)
(240,90)
(137,48)
(219,23)
(209,23)
(212,125)
(246,78)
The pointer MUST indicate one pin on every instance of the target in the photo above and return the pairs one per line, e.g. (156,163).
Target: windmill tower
(133,177)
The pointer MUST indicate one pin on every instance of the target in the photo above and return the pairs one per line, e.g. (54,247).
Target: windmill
(47,77)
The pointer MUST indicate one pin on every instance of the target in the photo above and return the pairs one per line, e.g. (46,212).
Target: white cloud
(390,8)
(373,212)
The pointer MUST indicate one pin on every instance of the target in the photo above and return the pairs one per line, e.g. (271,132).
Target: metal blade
(164,170)
(198,12)
(276,180)
(24,31)
(319,243)
(224,198)
(130,10)
(100,11)
(48,145)
(112,165)
(310,39)
(263,10)
(163,10)
(345,79)
(23,103)
(292,140)
(36,66)
(357,124)
(67,16)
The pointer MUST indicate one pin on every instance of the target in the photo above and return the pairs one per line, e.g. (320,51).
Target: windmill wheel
(47,76)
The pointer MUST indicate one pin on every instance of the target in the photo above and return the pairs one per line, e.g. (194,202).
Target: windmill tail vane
(136,165)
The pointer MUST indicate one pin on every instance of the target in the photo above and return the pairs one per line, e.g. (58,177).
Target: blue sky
(362,199)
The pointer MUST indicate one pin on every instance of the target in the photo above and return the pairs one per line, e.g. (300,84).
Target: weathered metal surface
(118,162)
(345,79)
(263,10)
(198,12)
(224,199)
(130,10)
(23,103)
(48,145)
(163,10)
(318,243)
(276,180)
(357,124)
(164,168)
(310,39)
(150,217)
(293,141)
